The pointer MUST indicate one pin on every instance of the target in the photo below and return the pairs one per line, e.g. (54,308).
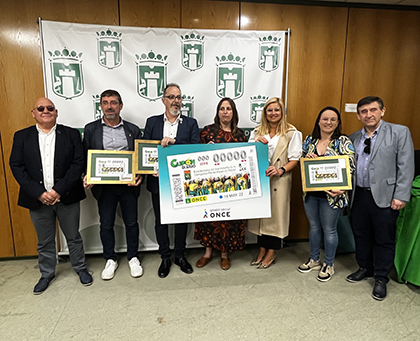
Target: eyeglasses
(367,146)
(41,108)
(172,97)
(111,102)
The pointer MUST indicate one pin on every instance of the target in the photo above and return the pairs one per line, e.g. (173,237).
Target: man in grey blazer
(384,176)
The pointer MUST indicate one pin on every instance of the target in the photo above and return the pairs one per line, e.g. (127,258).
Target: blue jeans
(322,218)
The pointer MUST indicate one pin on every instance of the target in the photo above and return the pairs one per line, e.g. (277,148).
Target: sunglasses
(41,108)
(367,146)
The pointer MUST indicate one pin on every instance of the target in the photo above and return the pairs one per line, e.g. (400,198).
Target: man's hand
(166,141)
(397,204)
(85,184)
(139,179)
(49,198)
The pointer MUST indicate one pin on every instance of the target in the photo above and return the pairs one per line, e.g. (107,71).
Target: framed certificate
(110,167)
(325,173)
(146,156)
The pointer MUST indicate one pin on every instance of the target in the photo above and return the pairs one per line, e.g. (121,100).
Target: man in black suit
(47,161)
(113,133)
(171,128)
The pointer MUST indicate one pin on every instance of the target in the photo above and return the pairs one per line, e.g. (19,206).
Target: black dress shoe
(164,268)
(43,284)
(379,290)
(359,275)
(184,265)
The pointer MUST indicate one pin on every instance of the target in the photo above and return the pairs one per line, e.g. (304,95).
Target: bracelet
(284,171)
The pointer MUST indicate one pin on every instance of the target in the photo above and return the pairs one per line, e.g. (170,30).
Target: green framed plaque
(146,156)
(325,173)
(110,167)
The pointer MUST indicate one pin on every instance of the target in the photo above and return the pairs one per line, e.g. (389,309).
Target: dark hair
(235,116)
(109,93)
(169,85)
(316,133)
(370,99)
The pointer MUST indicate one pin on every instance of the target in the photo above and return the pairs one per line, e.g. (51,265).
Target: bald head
(44,113)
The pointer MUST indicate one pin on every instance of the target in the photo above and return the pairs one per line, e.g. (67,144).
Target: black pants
(162,233)
(269,242)
(374,234)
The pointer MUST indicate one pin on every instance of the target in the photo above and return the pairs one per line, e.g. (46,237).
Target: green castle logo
(268,53)
(66,73)
(187,106)
(192,51)
(256,107)
(230,76)
(109,49)
(151,75)
(97,111)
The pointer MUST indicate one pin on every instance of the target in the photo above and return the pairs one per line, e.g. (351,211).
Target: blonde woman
(284,148)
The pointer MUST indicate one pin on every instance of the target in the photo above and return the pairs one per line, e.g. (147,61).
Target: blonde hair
(282,127)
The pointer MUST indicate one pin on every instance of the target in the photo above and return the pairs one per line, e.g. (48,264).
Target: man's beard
(174,112)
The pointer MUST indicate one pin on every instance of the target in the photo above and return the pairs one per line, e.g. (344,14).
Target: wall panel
(317,47)
(150,13)
(21,81)
(382,59)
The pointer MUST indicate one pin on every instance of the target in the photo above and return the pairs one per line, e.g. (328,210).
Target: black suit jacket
(69,162)
(187,133)
(93,139)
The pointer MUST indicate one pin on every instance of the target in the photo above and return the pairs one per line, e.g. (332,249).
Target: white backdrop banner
(80,61)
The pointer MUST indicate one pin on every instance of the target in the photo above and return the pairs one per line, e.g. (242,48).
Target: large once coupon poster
(223,181)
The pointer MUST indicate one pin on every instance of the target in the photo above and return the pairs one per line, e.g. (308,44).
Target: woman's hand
(271,171)
(334,192)
(311,156)
(261,139)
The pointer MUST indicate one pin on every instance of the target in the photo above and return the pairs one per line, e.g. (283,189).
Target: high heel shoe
(256,262)
(262,266)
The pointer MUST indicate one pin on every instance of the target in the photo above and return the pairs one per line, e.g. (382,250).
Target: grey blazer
(391,167)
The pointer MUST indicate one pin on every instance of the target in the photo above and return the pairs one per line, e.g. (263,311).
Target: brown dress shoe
(203,261)
(225,263)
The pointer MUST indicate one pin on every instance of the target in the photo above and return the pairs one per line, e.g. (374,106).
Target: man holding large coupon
(113,133)
(171,128)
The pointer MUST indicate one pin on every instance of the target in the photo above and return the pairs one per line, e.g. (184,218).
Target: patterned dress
(226,236)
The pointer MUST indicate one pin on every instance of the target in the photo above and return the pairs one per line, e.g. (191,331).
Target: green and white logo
(268,57)
(109,49)
(192,51)
(187,106)
(66,73)
(257,105)
(151,75)
(97,111)
(230,76)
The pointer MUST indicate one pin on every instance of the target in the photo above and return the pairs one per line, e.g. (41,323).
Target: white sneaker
(110,268)
(135,267)
(309,266)
(326,273)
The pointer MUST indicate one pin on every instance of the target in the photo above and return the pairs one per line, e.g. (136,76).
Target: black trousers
(269,242)
(374,234)
(162,236)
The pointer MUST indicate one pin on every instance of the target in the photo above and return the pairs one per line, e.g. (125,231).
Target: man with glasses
(113,133)
(171,128)
(384,176)
(47,160)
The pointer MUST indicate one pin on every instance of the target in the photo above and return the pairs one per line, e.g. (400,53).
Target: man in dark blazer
(384,176)
(47,161)
(171,128)
(113,133)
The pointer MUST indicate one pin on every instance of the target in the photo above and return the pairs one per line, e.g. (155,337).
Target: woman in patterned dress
(225,236)
(323,208)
